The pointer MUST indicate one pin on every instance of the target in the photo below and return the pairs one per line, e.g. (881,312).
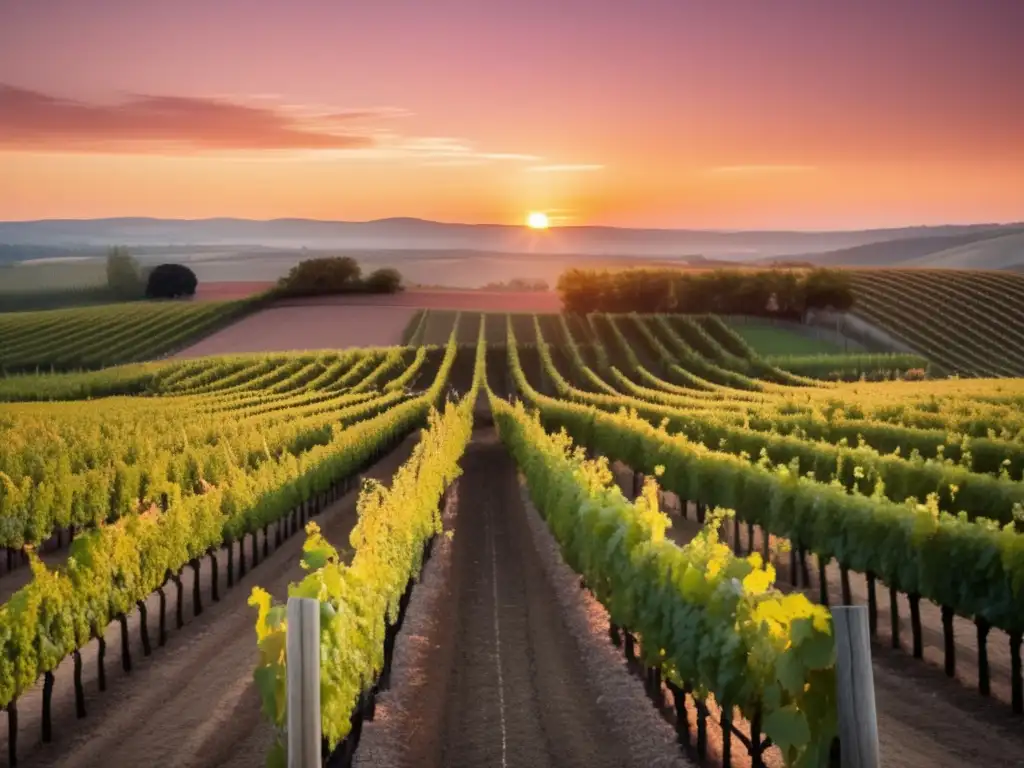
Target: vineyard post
(855,686)
(303,683)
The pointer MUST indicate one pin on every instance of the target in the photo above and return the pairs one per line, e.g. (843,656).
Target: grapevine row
(363,601)
(116,566)
(975,570)
(696,631)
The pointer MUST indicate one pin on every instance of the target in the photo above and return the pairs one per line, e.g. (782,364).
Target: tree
(581,290)
(828,289)
(785,293)
(170,281)
(317,277)
(123,275)
(385,280)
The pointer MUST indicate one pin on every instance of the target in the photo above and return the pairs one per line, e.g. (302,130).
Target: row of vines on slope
(115,566)
(362,602)
(971,569)
(708,622)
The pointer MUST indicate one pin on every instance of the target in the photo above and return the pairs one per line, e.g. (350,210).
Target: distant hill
(405,233)
(981,248)
(989,253)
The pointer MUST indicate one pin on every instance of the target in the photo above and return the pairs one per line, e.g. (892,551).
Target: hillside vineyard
(710,503)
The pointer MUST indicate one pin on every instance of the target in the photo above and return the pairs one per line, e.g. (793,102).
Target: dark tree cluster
(339,274)
(782,293)
(171,281)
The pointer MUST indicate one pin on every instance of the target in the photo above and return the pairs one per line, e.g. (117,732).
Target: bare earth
(340,322)
(467,300)
(230,291)
(504,681)
(304,327)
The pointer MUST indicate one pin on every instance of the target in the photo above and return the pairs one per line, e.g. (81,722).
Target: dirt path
(505,684)
(925,720)
(193,702)
(306,327)
(465,299)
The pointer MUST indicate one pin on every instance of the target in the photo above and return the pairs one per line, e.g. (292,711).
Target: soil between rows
(192,702)
(504,682)
(290,327)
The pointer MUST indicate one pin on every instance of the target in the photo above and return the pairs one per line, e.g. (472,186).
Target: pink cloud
(30,120)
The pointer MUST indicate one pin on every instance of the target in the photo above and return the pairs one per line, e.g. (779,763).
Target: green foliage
(314,277)
(384,280)
(704,617)
(784,339)
(859,469)
(975,568)
(966,322)
(828,289)
(98,337)
(124,277)
(239,443)
(336,275)
(359,599)
(54,298)
(851,367)
(766,292)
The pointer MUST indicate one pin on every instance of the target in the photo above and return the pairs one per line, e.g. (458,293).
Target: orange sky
(737,114)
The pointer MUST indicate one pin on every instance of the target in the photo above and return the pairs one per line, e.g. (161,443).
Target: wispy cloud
(566,168)
(145,124)
(31,120)
(259,128)
(425,150)
(761,169)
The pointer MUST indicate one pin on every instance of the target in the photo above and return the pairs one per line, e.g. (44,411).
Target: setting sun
(537,220)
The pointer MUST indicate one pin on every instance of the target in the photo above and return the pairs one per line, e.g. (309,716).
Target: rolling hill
(990,253)
(994,247)
(967,322)
(405,233)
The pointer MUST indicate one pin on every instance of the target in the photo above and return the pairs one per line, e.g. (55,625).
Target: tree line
(781,293)
(336,274)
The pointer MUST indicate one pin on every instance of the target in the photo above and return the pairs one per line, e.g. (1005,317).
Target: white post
(855,684)
(303,657)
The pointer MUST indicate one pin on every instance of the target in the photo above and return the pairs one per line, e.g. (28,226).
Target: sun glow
(537,220)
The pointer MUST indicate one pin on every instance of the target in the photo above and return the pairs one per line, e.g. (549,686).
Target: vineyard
(969,322)
(97,337)
(608,539)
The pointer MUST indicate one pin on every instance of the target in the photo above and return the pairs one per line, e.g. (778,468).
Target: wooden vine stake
(303,684)
(855,684)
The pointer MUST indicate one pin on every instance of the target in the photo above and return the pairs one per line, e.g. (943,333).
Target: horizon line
(994,224)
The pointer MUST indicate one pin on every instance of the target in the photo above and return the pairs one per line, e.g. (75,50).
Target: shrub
(336,274)
(317,277)
(386,280)
(828,289)
(124,278)
(170,281)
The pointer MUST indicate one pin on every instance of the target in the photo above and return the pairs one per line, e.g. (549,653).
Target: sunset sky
(808,114)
